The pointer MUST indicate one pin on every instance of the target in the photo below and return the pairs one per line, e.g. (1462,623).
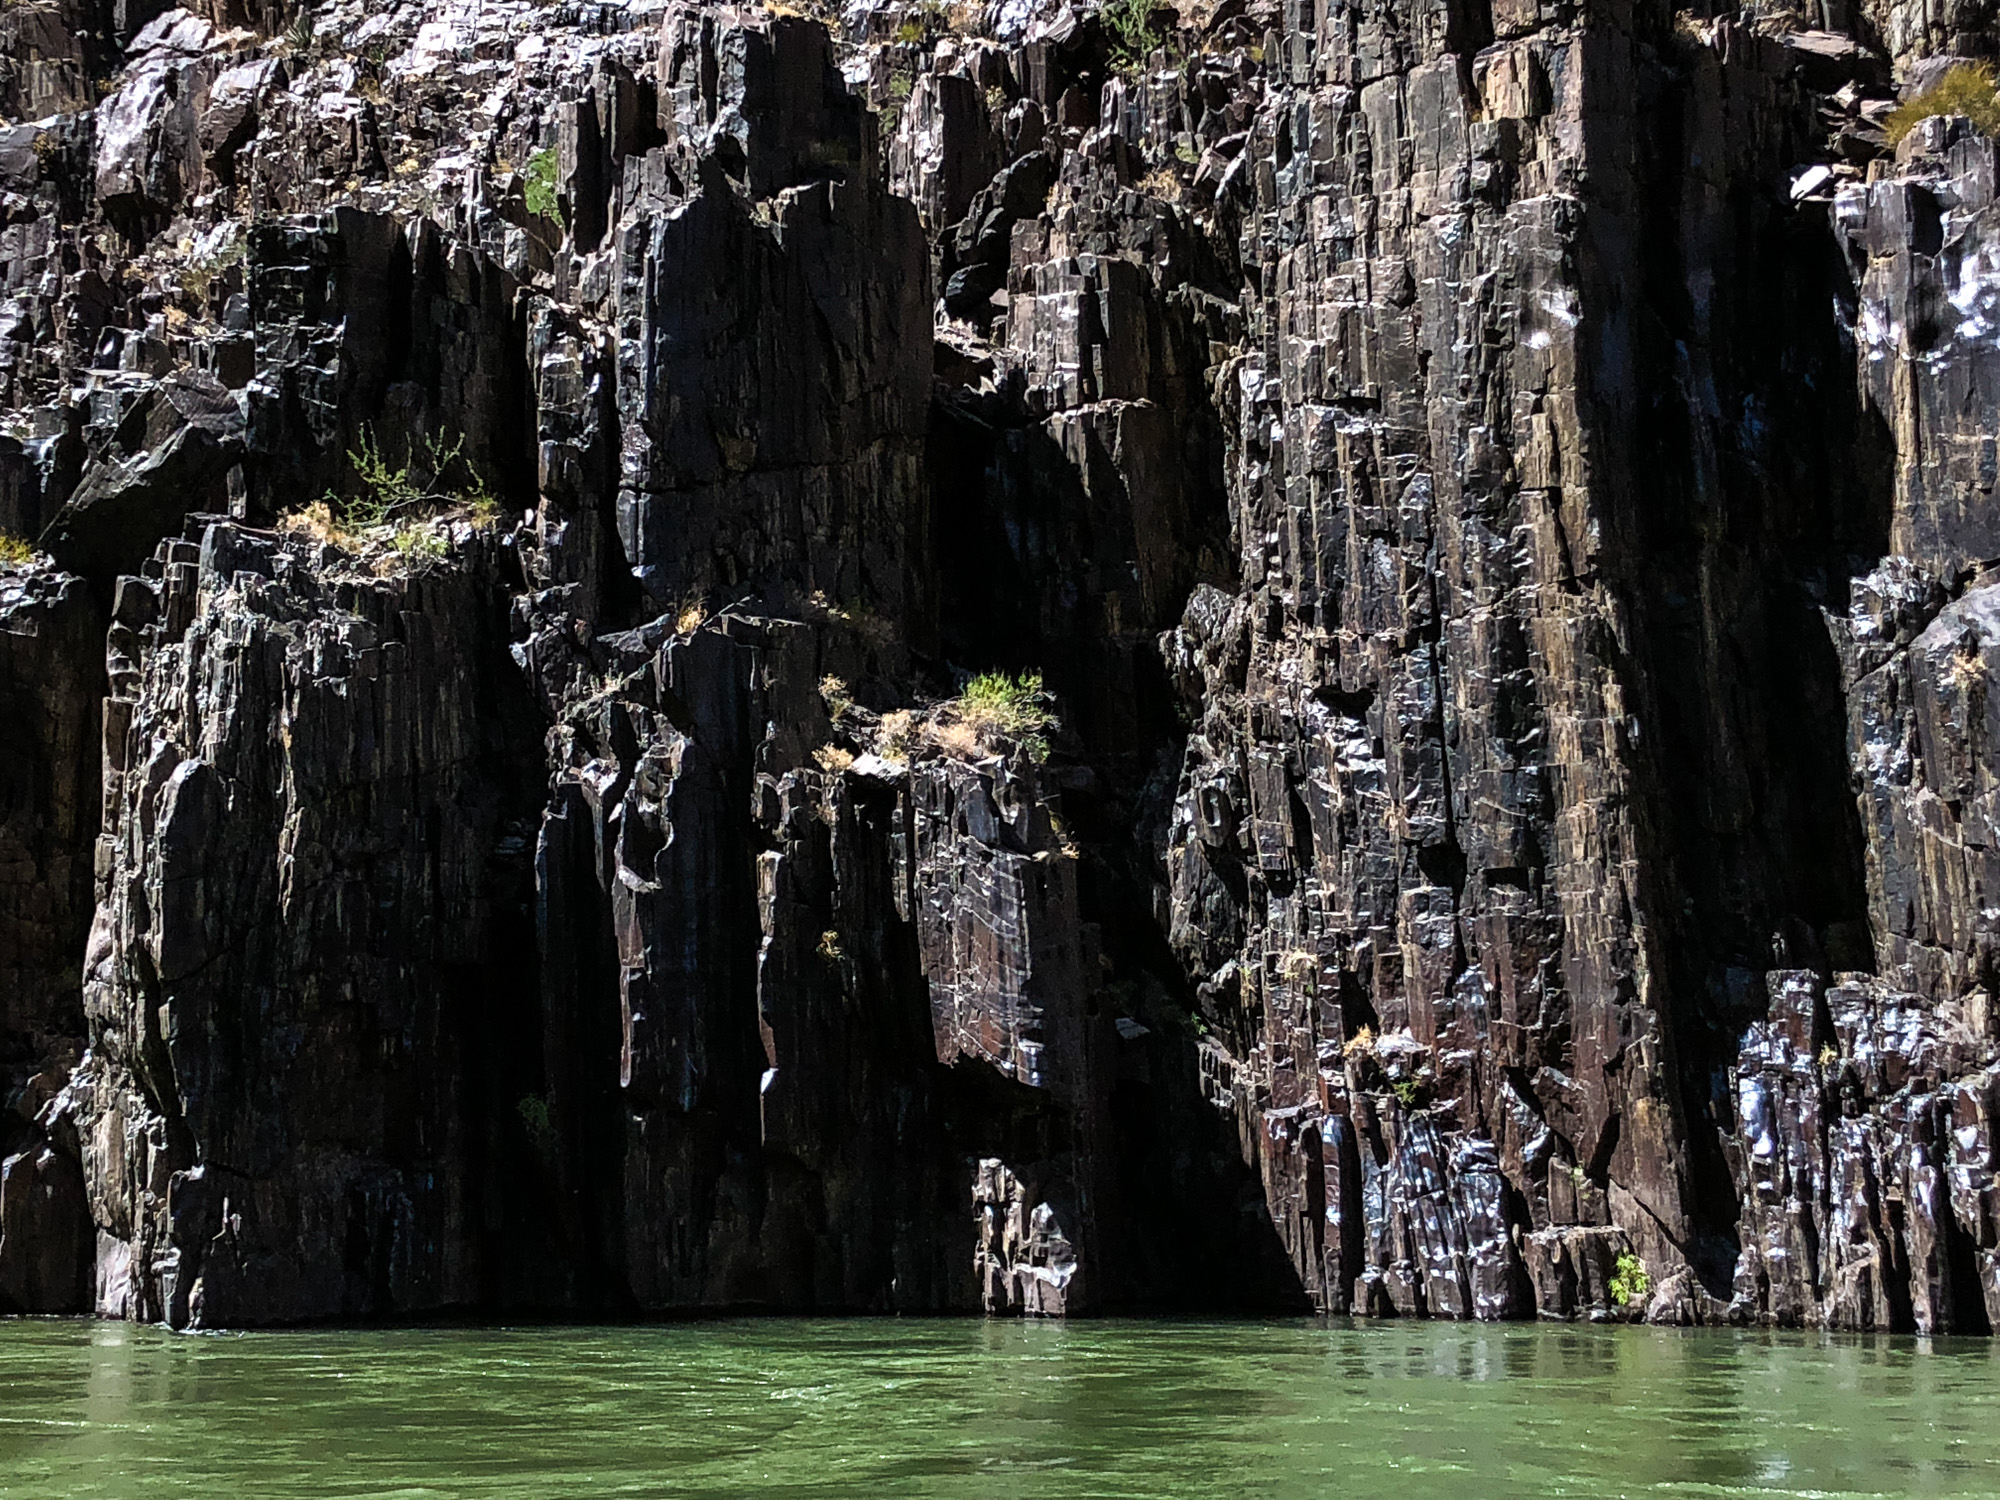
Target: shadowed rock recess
(1314,655)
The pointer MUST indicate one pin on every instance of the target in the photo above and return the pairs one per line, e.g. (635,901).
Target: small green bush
(901,84)
(997,703)
(419,544)
(534,1113)
(423,482)
(1132,32)
(14,550)
(300,35)
(1629,1281)
(539,185)
(1964,90)
(1406,1092)
(926,23)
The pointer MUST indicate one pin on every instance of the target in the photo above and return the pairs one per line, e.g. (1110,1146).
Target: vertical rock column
(305,984)
(1407,867)
(1866,1115)
(49,695)
(995,899)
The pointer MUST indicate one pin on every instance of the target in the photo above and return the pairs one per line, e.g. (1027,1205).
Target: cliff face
(1302,656)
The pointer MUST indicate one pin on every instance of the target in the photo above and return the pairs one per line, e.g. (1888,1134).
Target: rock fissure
(1491,509)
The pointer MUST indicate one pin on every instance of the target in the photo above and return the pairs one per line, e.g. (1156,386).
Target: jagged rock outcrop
(1864,1120)
(1865,1134)
(1302,656)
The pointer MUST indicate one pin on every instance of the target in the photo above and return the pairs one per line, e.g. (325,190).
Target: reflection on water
(879,1408)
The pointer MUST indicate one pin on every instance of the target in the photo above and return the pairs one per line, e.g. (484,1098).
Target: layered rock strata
(1294,656)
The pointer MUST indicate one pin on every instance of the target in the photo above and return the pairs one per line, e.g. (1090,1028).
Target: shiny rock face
(1278,657)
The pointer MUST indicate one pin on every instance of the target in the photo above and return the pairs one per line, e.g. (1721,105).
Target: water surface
(879,1408)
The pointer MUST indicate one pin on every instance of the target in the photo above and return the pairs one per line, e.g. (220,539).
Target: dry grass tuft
(956,739)
(318,521)
(1162,183)
(859,618)
(1964,90)
(1690,27)
(834,694)
(690,614)
(897,737)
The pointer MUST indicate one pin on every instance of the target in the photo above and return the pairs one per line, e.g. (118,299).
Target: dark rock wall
(1496,499)
(310,985)
(50,634)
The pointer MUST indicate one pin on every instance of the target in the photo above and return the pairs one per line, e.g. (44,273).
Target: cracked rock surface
(672,656)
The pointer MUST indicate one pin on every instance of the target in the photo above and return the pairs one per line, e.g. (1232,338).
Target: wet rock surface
(676,656)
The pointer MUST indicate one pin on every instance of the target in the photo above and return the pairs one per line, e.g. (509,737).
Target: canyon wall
(1289,656)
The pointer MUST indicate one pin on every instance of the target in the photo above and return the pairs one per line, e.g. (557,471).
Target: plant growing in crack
(302,33)
(1630,1281)
(998,703)
(534,1113)
(1967,90)
(1133,32)
(417,545)
(422,482)
(833,692)
(538,186)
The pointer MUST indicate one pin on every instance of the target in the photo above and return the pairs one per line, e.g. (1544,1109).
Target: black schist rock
(678,658)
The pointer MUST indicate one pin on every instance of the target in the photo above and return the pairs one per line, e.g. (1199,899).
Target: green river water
(966,1408)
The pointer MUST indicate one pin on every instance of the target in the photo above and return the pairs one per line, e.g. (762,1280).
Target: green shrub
(534,1113)
(201,271)
(997,703)
(1132,32)
(424,481)
(901,84)
(1967,89)
(1406,1092)
(14,550)
(926,23)
(385,491)
(1629,1281)
(539,186)
(418,544)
